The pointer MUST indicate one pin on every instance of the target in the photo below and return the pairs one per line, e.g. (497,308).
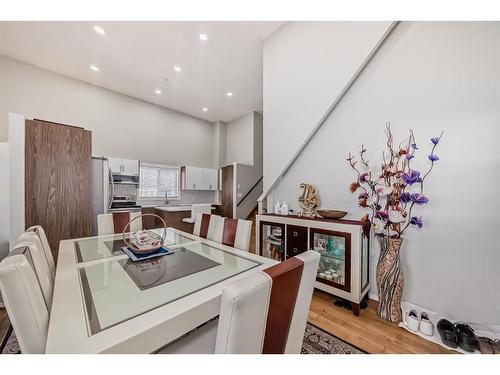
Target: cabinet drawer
(296,237)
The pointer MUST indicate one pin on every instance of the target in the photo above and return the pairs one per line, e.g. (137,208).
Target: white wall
(239,140)
(248,176)
(306,66)
(428,77)
(121,126)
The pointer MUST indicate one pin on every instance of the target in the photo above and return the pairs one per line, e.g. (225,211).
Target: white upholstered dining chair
(30,247)
(233,232)
(205,225)
(38,230)
(198,209)
(24,303)
(115,222)
(263,313)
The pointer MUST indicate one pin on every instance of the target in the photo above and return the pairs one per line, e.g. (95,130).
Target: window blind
(156,180)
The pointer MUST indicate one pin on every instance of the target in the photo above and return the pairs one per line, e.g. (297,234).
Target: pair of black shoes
(458,334)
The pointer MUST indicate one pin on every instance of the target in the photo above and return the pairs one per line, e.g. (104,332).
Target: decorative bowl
(332,214)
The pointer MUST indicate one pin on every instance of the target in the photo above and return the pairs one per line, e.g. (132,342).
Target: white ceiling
(135,58)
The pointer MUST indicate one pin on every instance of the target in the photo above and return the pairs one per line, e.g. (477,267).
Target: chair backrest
(233,232)
(24,303)
(303,301)
(243,314)
(38,230)
(291,293)
(202,208)
(30,247)
(205,225)
(115,222)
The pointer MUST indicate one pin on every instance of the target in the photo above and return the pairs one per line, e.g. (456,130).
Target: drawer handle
(295,250)
(295,233)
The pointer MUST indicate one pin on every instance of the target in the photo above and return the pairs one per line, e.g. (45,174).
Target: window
(157,179)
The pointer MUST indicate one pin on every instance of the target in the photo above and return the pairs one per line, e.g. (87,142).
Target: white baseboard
(2,305)
(373,296)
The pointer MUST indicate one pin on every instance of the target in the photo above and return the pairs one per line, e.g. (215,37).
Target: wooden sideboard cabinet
(344,246)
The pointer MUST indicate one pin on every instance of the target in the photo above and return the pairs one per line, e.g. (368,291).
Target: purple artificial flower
(405,197)
(382,215)
(363,177)
(414,145)
(409,157)
(435,140)
(418,198)
(417,221)
(411,177)
(363,195)
(433,157)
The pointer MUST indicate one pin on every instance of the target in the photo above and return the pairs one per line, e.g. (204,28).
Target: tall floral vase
(390,279)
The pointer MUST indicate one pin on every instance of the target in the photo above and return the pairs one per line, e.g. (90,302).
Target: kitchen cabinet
(124,166)
(210,178)
(195,178)
(344,246)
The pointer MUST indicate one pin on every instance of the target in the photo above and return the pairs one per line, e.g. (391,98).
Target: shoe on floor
(466,337)
(426,326)
(448,333)
(411,321)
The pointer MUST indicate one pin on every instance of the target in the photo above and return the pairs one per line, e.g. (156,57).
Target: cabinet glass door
(335,263)
(272,240)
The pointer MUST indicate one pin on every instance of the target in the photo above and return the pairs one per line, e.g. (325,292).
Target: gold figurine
(308,200)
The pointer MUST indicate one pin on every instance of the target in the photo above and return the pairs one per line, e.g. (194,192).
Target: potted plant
(391,196)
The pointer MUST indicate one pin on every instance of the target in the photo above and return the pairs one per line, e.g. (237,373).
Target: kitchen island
(172,214)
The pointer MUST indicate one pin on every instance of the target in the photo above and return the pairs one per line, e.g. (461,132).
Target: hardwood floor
(367,331)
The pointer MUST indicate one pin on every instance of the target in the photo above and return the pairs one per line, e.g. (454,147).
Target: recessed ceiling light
(203,37)
(94,68)
(204,109)
(229,93)
(177,68)
(99,30)
(159,92)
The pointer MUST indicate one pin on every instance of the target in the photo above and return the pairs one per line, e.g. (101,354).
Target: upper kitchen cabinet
(195,178)
(124,166)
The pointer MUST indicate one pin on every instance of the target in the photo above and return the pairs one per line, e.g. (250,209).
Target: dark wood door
(58,180)
(227,191)
(296,240)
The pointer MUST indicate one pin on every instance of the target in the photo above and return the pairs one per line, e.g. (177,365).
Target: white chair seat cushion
(188,220)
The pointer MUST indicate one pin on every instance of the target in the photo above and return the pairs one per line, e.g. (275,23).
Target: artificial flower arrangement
(391,197)
(392,194)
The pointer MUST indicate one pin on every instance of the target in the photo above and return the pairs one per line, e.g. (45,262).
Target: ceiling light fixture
(99,30)
(203,37)
(204,109)
(157,91)
(177,69)
(94,68)
(229,94)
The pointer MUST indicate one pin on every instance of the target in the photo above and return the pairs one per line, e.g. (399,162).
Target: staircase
(252,218)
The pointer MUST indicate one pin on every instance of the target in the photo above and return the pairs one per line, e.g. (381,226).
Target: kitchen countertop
(172,208)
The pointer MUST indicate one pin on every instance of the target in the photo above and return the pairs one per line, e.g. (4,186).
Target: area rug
(316,341)
(10,344)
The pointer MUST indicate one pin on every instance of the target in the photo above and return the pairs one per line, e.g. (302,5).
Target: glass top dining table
(114,289)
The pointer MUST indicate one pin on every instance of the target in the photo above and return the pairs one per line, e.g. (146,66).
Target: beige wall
(121,126)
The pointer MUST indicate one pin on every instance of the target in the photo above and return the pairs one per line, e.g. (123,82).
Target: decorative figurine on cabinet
(308,200)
